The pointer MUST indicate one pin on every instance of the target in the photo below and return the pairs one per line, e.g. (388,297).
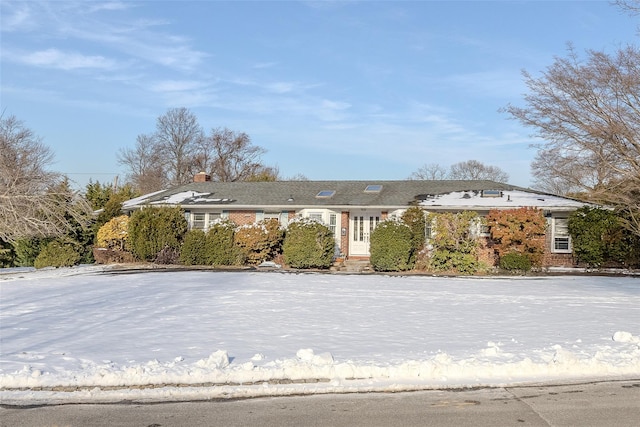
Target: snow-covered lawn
(86,335)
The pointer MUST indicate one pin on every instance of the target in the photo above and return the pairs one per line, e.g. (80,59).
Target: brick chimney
(201,177)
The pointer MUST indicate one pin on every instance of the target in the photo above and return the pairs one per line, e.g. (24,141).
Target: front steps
(352,266)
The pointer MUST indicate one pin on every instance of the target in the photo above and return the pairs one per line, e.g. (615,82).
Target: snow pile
(82,335)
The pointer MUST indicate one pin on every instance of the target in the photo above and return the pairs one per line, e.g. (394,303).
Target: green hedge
(515,261)
(152,229)
(599,237)
(57,254)
(193,250)
(391,246)
(308,244)
(220,248)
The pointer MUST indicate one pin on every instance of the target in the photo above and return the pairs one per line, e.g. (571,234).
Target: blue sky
(332,90)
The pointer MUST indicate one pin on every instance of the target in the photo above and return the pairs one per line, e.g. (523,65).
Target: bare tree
(588,114)
(145,165)
(178,149)
(431,171)
(297,177)
(632,7)
(265,174)
(34,202)
(177,136)
(475,170)
(232,156)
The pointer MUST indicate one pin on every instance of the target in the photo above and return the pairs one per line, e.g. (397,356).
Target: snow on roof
(178,198)
(173,199)
(507,199)
(140,200)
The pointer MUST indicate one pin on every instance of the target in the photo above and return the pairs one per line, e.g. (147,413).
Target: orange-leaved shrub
(259,242)
(519,231)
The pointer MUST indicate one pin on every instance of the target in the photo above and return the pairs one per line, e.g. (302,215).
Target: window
(561,238)
(213,218)
(272,215)
(284,218)
(428,230)
(491,193)
(332,223)
(198,221)
(317,216)
(325,194)
(373,188)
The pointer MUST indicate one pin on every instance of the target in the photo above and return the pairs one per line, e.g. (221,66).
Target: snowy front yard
(85,335)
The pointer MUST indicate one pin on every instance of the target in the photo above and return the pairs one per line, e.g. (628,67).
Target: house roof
(298,194)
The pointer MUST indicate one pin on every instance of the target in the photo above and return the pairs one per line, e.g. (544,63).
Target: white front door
(362,224)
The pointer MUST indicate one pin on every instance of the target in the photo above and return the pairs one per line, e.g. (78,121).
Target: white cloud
(54,58)
(16,17)
(111,5)
(176,85)
(281,87)
(99,25)
(263,65)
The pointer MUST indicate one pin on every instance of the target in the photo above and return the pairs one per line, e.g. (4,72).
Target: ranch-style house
(352,209)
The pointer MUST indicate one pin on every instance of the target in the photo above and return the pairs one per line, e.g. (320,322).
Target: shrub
(454,262)
(27,250)
(454,243)
(113,234)
(308,244)
(7,255)
(110,256)
(57,254)
(194,248)
(167,255)
(152,229)
(416,220)
(599,237)
(519,230)
(259,242)
(220,249)
(515,261)
(391,246)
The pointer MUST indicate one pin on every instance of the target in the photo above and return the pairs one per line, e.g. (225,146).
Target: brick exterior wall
(242,217)
(487,254)
(551,259)
(344,239)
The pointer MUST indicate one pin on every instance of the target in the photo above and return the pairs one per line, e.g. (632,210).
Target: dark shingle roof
(303,193)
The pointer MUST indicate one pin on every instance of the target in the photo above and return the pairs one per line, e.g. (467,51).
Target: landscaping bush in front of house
(519,231)
(515,261)
(308,244)
(259,242)
(27,250)
(454,245)
(113,234)
(599,238)
(391,246)
(153,229)
(416,220)
(58,253)
(193,251)
(220,248)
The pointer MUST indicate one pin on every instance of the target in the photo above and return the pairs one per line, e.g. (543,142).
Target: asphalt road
(593,404)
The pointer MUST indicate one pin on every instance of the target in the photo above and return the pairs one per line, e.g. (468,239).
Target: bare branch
(34,202)
(589,115)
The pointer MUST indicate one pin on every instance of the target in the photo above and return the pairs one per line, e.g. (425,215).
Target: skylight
(491,193)
(325,194)
(373,188)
